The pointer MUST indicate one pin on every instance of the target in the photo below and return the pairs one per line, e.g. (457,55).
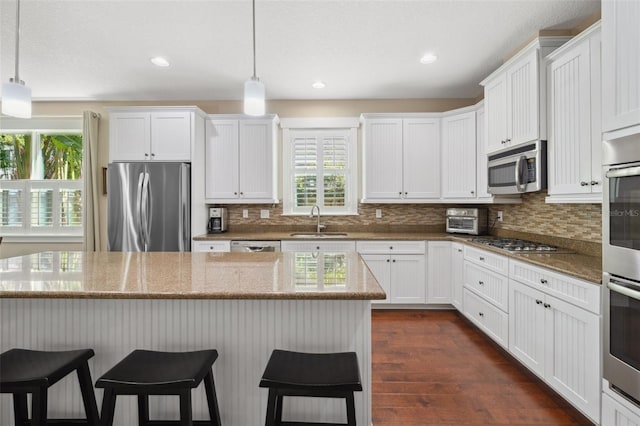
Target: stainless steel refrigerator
(148,206)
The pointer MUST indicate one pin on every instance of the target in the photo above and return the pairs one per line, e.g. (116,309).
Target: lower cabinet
(457,275)
(559,342)
(491,320)
(399,267)
(318,246)
(212,246)
(618,412)
(439,272)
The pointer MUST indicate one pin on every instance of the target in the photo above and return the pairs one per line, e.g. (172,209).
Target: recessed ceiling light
(159,61)
(428,58)
(318,84)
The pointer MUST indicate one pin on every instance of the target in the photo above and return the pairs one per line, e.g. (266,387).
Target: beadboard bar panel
(243,331)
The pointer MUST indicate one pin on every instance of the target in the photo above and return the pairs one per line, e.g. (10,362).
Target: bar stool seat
(145,373)
(331,375)
(24,371)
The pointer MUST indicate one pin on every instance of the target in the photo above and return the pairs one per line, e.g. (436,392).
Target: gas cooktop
(514,245)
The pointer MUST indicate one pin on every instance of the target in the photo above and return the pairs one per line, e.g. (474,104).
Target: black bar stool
(333,375)
(145,373)
(24,371)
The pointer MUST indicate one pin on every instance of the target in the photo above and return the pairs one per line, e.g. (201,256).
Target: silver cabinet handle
(594,182)
(543,281)
(459,250)
(546,305)
(482,258)
(481,314)
(146,154)
(508,140)
(481,282)
(394,261)
(583,183)
(388,260)
(473,192)
(538,302)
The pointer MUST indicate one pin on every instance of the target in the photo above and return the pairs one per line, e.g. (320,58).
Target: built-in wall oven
(621,265)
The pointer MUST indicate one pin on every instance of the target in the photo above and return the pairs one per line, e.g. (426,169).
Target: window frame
(316,128)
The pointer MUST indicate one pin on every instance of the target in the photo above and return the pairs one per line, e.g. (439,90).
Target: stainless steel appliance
(148,206)
(471,221)
(255,246)
(518,170)
(217,220)
(515,245)
(621,265)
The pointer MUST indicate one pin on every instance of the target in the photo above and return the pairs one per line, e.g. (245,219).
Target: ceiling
(100,49)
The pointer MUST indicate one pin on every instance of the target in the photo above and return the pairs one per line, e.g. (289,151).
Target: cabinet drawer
(318,246)
(391,247)
(617,413)
(491,286)
(494,262)
(487,317)
(572,290)
(218,245)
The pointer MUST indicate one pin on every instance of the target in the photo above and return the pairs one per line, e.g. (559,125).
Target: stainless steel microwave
(518,170)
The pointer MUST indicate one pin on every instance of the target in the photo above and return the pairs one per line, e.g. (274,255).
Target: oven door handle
(625,172)
(624,290)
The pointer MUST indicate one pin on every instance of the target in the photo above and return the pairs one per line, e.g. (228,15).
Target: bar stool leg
(271,407)
(185,408)
(143,410)
(88,396)
(212,400)
(39,407)
(351,410)
(108,407)
(20,410)
(279,401)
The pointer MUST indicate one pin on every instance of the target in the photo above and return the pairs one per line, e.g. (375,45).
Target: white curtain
(91,177)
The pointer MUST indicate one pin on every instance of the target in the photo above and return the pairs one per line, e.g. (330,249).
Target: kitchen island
(243,305)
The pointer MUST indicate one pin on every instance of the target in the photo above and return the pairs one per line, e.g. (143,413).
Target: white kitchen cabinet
(153,133)
(457,274)
(459,155)
(217,246)
(241,160)
(491,286)
(401,159)
(559,342)
(318,246)
(620,64)
(574,126)
(486,259)
(482,179)
(491,320)
(399,267)
(514,104)
(616,411)
(439,288)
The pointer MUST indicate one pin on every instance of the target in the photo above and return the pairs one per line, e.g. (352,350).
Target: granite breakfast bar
(243,305)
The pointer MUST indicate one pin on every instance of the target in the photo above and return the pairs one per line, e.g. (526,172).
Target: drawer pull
(459,250)
(538,302)
(394,261)
(481,314)
(482,258)
(543,281)
(546,305)
(388,260)
(481,282)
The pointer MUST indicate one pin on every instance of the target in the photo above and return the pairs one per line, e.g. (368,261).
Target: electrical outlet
(245,213)
(378,213)
(264,214)
(500,216)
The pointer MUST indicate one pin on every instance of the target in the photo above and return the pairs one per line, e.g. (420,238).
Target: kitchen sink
(319,235)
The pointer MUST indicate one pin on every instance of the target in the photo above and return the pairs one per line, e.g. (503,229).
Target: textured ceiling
(100,50)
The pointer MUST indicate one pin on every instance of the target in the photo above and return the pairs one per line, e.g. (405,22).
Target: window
(41,181)
(320,169)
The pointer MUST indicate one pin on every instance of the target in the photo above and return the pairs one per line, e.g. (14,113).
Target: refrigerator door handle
(139,218)
(145,211)
(185,238)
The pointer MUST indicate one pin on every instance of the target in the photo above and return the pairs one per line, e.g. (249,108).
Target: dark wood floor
(436,368)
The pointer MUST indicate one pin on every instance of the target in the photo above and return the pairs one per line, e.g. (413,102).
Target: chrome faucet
(318,226)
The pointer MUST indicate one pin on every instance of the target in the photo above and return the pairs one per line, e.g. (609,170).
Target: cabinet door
(523,100)
(616,414)
(256,160)
(223,246)
(383,159)
(221,160)
(408,278)
(526,326)
(439,272)
(318,246)
(129,136)
(620,64)
(171,136)
(572,358)
(459,156)
(570,122)
(495,109)
(380,267)
(421,158)
(457,276)
(482,183)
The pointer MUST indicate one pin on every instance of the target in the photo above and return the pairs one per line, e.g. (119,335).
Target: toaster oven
(472,221)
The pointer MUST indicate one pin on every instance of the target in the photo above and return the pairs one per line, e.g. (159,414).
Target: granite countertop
(164,275)
(578,265)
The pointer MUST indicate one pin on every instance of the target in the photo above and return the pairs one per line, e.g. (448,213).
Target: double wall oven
(621,265)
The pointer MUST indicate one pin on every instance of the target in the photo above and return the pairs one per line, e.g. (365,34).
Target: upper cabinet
(514,103)
(241,160)
(401,158)
(574,125)
(620,64)
(153,133)
(459,155)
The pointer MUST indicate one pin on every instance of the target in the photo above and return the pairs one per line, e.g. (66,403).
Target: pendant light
(254,93)
(16,97)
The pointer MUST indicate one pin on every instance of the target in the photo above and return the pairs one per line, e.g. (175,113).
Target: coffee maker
(217,220)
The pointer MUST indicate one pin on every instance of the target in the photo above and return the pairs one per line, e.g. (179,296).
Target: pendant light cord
(254,40)
(17,78)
